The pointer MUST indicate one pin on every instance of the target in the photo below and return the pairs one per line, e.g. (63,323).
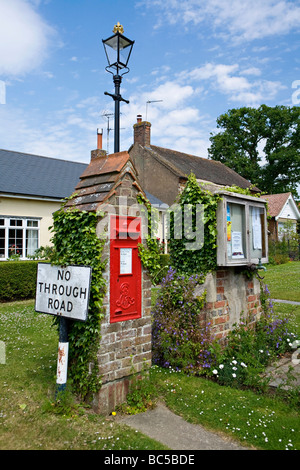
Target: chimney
(141,132)
(99,152)
(99,139)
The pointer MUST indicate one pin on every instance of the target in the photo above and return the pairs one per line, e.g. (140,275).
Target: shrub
(179,341)
(17,280)
(250,349)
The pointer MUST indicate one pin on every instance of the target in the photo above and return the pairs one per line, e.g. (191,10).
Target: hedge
(17,280)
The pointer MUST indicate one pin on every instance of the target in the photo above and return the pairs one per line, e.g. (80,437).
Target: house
(283,212)
(31,189)
(163,172)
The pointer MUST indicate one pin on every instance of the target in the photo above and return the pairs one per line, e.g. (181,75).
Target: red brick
(219,304)
(221,274)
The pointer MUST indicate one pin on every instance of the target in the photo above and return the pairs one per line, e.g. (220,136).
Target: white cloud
(235,19)
(24,37)
(252,71)
(172,94)
(230,81)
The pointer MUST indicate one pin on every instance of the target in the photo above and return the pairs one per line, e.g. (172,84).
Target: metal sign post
(63,353)
(64,292)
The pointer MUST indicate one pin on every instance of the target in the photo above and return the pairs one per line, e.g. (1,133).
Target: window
(242,231)
(18,237)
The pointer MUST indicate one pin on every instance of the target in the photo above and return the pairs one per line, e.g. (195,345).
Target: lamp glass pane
(118,50)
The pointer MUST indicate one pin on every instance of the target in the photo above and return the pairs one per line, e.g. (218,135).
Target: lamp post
(117,49)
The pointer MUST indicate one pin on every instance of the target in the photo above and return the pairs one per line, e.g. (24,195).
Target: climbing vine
(76,243)
(150,253)
(203,257)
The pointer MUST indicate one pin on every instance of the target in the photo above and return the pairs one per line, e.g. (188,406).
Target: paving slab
(171,430)
(291,302)
(285,372)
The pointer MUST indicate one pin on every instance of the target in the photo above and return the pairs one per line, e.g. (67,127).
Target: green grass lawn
(27,387)
(284,281)
(28,417)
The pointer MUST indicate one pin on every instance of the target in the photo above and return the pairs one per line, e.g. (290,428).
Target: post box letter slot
(118,312)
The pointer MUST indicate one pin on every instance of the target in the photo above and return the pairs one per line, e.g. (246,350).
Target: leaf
(23,406)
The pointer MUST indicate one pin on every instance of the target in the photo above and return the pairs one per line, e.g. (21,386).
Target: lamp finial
(118,28)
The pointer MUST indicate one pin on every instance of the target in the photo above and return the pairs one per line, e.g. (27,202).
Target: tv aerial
(106,115)
(152,101)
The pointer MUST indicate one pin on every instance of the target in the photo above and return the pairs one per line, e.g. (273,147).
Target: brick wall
(124,345)
(230,296)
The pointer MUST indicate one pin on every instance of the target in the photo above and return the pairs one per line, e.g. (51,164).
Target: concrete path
(171,430)
(291,302)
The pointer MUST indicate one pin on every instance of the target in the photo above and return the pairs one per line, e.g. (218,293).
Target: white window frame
(24,227)
(245,202)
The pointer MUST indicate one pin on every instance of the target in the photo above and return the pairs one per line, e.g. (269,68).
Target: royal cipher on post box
(125,268)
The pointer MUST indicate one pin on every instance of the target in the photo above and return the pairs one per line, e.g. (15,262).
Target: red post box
(125,268)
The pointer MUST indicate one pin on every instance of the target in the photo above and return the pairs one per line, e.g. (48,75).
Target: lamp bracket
(116,97)
(124,70)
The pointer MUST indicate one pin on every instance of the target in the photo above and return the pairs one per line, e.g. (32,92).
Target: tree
(262,145)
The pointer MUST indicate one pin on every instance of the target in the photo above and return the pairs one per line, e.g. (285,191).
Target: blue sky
(200,58)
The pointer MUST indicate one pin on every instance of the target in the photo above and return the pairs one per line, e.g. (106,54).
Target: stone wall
(125,346)
(230,296)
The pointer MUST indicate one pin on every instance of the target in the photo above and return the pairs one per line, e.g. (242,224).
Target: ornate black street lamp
(118,49)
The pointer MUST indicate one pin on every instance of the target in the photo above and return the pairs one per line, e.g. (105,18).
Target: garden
(31,418)
(224,389)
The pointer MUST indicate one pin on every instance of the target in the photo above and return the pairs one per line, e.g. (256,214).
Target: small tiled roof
(97,181)
(204,169)
(38,176)
(276,202)
(154,200)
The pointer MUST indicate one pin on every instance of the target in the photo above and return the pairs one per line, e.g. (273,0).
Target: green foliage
(76,242)
(243,130)
(44,252)
(252,347)
(64,404)
(151,253)
(17,280)
(178,339)
(246,191)
(142,393)
(287,248)
(204,258)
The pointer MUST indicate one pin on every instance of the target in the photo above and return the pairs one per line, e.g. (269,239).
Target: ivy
(76,243)
(245,191)
(203,259)
(150,254)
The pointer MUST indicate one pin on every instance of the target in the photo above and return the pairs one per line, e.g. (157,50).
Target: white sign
(237,247)
(63,291)
(126,261)
(256,229)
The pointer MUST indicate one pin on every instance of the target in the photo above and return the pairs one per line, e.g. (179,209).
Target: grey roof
(155,201)
(204,169)
(35,175)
